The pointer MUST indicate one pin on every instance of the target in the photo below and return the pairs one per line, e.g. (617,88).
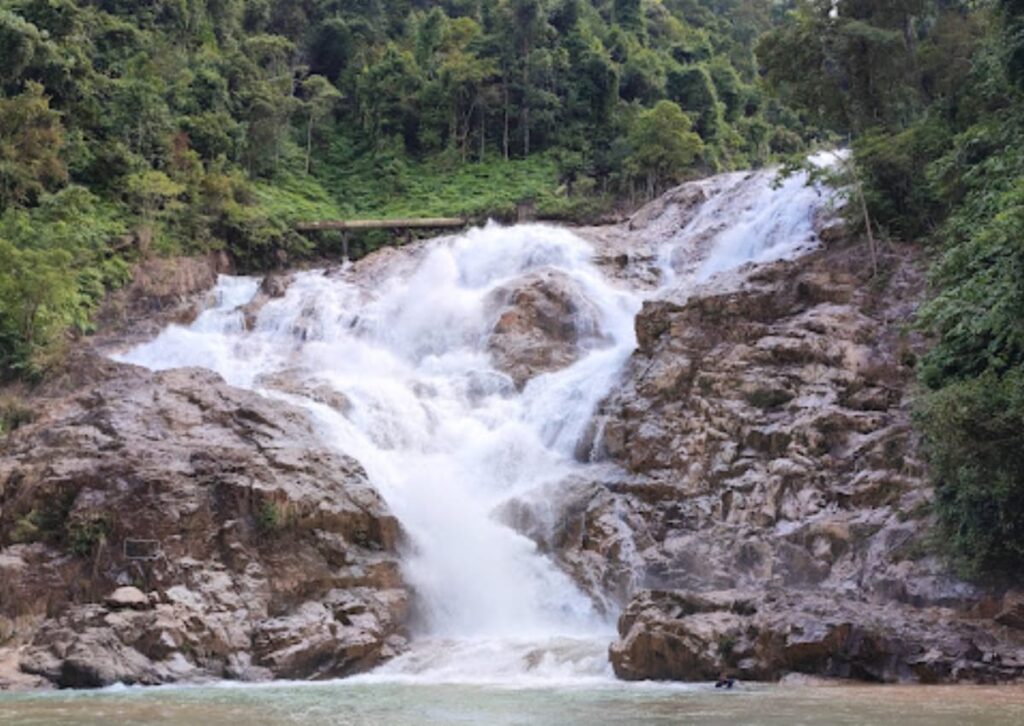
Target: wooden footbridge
(401,228)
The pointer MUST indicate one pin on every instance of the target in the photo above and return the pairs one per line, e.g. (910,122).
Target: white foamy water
(445,436)
(749,217)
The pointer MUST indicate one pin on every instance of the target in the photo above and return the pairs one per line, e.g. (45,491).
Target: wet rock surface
(764,635)
(543,324)
(765,444)
(273,287)
(160,527)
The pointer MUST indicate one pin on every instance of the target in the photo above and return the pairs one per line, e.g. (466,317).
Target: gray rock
(222,504)
(127,597)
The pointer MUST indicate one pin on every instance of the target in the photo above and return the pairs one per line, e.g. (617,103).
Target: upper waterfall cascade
(444,435)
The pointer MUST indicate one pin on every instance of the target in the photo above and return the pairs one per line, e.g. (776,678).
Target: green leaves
(664,146)
(975,442)
(850,65)
(31,137)
(54,271)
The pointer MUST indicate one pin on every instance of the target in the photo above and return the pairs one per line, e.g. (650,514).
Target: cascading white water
(445,436)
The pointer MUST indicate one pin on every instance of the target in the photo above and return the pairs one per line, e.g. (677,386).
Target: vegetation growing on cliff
(136,128)
(930,92)
(176,127)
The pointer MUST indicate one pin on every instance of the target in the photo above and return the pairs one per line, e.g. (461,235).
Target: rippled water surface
(398,704)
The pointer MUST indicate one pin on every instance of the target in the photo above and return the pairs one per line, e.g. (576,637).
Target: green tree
(629,14)
(850,64)
(664,146)
(694,90)
(527,20)
(319,99)
(40,293)
(153,194)
(31,139)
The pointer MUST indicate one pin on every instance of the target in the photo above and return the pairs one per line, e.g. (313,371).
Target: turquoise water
(398,704)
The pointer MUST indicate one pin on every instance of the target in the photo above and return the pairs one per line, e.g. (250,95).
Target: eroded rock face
(543,324)
(763,445)
(273,287)
(680,635)
(160,527)
(162,291)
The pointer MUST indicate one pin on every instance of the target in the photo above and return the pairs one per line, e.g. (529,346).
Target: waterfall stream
(444,435)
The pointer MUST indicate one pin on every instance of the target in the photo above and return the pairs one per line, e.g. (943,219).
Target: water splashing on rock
(463,374)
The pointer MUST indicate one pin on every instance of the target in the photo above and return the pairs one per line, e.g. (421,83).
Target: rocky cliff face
(756,502)
(165,527)
(767,511)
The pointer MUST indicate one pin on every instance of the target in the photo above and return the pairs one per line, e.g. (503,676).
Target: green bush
(270,518)
(14,414)
(769,399)
(894,170)
(979,280)
(87,533)
(974,432)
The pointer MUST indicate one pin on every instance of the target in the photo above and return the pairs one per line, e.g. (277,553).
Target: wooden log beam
(394,224)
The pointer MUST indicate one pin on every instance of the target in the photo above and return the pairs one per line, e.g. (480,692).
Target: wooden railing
(393,224)
(401,228)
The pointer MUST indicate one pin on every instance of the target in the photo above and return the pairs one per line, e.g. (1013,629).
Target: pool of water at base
(398,704)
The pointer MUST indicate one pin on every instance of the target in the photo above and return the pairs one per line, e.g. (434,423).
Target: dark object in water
(726,683)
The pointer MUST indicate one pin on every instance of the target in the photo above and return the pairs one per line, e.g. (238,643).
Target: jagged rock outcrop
(162,291)
(691,636)
(273,287)
(159,527)
(765,436)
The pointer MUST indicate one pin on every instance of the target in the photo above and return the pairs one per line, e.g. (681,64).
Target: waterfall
(443,434)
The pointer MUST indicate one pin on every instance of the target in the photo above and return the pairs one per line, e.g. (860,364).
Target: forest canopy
(195,125)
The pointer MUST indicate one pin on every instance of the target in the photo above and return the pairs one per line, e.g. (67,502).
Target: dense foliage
(178,126)
(931,92)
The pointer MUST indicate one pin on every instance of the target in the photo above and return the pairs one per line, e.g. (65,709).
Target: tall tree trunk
(453,126)
(309,142)
(504,130)
(859,186)
(525,111)
(483,133)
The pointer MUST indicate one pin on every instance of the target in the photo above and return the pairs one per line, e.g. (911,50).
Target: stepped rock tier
(473,459)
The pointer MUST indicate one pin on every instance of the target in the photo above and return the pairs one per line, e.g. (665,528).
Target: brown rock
(222,503)
(695,636)
(274,286)
(542,325)
(1012,612)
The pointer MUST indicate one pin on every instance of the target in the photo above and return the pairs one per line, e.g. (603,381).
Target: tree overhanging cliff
(931,94)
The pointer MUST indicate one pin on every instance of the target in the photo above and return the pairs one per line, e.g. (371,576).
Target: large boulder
(544,323)
(159,527)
